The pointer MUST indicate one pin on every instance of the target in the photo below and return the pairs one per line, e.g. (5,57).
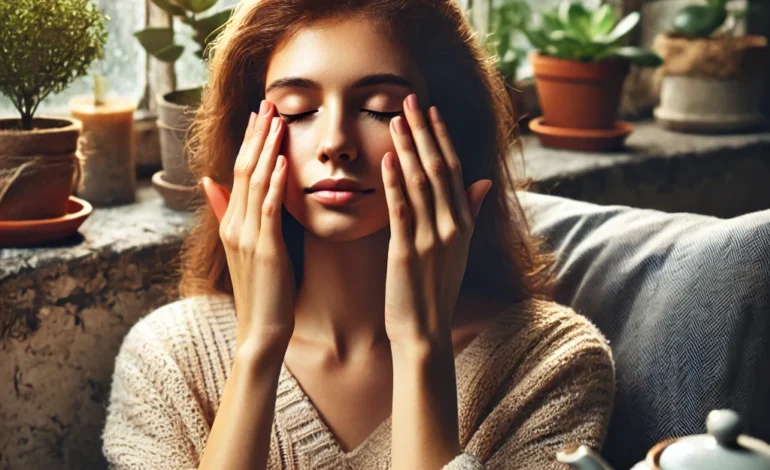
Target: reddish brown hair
(505,261)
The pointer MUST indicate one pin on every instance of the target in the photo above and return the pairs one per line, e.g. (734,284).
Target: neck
(341,301)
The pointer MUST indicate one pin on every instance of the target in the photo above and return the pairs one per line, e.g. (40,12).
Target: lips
(343,185)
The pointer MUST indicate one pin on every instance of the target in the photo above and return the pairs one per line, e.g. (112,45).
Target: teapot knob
(725,426)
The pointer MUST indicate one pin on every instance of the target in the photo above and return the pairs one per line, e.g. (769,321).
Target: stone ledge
(145,223)
(720,175)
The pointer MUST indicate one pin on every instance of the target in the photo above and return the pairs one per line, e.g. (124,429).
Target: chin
(338,225)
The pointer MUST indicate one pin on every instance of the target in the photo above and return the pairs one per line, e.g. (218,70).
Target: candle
(106,149)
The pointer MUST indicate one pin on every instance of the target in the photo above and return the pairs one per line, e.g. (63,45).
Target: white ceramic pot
(693,104)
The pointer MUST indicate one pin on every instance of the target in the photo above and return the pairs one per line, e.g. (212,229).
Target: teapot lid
(723,447)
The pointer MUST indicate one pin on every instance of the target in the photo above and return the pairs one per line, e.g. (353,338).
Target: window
(123,64)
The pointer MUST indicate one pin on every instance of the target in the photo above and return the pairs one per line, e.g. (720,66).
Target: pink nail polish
(400,125)
(436,115)
(263,107)
(411,102)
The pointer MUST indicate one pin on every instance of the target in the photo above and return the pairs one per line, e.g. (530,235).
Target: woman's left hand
(432,218)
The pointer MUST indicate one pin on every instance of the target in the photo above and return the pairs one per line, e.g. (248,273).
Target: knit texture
(538,377)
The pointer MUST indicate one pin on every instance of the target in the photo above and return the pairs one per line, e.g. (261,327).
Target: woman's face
(338,85)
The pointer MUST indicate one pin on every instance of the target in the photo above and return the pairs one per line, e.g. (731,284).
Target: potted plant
(580,63)
(506,24)
(712,79)
(177,108)
(44,46)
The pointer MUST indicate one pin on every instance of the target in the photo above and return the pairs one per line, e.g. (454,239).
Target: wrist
(423,350)
(260,354)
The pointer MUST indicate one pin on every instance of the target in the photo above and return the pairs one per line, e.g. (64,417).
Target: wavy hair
(505,260)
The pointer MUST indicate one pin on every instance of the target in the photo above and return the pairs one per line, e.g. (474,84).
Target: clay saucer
(33,232)
(176,196)
(587,140)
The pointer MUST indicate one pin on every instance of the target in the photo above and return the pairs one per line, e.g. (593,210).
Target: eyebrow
(367,81)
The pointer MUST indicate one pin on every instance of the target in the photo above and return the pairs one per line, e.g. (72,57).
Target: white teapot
(722,448)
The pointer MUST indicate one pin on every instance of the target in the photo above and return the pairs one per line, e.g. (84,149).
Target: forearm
(424,421)
(240,436)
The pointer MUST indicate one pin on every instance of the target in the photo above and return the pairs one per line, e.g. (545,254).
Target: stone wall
(63,314)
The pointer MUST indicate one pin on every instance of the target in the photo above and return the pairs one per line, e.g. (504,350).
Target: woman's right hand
(250,228)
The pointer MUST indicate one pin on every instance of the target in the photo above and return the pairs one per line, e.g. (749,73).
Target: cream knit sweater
(539,376)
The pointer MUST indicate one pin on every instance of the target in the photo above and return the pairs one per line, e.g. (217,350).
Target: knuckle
(425,245)
(401,211)
(255,183)
(435,166)
(454,168)
(229,238)
(268,209)
(450,235)
(242,170)
(420,182)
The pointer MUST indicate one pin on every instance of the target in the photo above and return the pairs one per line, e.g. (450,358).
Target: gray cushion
(684,300)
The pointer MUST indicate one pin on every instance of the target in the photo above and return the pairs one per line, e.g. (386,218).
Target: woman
(348,302)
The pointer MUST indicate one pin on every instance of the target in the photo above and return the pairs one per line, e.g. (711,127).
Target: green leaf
(198,6)
(698,20)
(537,38)
(169,54)
(212,24)
(639,56)
(578,20)
(168,7)
(603,19)
(621,29)
(551,22)
(155,39)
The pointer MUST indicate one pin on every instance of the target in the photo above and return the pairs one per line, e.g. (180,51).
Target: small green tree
(44,47)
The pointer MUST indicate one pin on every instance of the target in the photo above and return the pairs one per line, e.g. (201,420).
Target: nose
(338,142)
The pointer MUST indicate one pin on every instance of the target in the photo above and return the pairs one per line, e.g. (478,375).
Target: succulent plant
(571,31)
(700,21)
(159,42)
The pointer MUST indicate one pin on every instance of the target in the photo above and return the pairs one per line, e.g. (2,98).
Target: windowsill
(720,175)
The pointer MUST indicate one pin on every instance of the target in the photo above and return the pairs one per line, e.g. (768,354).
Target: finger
(454,168)
(271,208)
(217,196)
(476,194)
(398,207)
(416,184)
(259,183)
(246,162)
(433,164)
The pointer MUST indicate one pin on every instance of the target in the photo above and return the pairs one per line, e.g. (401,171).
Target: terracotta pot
(39,169)
(579,95)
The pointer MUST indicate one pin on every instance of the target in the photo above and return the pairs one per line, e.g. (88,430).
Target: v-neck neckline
(326,438)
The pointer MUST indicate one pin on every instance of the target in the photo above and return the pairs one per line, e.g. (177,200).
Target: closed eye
(376,115)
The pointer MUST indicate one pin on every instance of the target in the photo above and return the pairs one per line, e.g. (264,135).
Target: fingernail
(281,161)
(389,161)
(436,115)
(400,125)
(411,102)
(275,124)
(263,107)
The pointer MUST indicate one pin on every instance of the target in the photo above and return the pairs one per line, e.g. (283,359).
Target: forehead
(339,52)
